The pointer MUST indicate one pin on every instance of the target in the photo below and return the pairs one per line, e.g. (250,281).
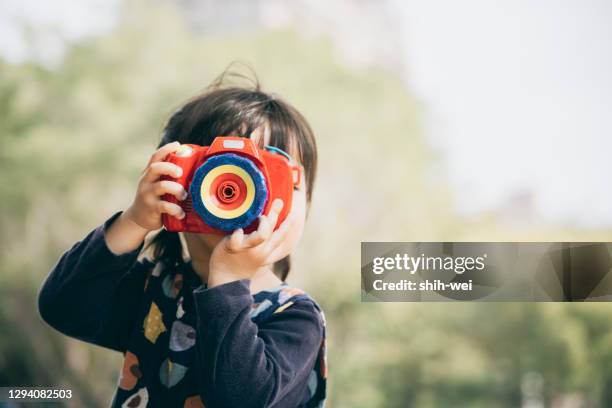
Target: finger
(275,248)
(169,187)
(234,242)
(157,169)
(280,234)
(253,239)
(161,153)
(277,207)
(265,227)
(175,210)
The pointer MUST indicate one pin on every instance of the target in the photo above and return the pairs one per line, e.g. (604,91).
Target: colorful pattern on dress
(157,369)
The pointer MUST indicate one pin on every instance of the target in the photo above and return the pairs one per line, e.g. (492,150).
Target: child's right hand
(148,205)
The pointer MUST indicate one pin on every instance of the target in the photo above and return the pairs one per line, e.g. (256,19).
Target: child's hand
(239,256)
(148,206)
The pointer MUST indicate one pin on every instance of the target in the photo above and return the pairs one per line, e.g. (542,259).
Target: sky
(516,94)
(61,20)
(518,98)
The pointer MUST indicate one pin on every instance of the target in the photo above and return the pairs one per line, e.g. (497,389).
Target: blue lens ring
(259,201)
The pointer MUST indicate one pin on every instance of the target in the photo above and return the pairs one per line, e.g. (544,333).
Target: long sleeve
(93,294)
(248,365)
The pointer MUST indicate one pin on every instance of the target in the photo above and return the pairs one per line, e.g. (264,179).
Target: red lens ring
(225,180)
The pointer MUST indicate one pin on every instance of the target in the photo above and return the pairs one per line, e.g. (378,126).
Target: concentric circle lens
(228,191)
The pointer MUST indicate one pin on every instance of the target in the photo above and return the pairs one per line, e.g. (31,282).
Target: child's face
(298,212)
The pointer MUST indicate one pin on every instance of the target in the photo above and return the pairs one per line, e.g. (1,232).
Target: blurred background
(436,120)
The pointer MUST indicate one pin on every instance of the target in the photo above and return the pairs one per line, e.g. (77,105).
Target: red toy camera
(230,184)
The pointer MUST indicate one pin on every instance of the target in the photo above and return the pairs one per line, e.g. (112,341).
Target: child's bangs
(290,132)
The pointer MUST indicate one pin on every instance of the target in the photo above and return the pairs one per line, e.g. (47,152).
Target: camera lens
(228,191)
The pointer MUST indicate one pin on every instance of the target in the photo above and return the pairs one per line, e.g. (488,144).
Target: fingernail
(278,204)
(184,195)
(179,172)
(182,215)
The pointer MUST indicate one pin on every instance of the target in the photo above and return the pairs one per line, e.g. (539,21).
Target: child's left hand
(239,256)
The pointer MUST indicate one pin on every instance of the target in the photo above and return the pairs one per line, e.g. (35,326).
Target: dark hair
(225,109)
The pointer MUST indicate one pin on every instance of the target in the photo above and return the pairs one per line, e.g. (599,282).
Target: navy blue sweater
(186,345)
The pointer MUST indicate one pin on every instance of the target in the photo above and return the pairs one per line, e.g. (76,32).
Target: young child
(205,320)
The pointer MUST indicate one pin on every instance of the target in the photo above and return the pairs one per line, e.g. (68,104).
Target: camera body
(230,184)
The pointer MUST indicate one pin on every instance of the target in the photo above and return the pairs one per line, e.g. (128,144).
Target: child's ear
(302,183)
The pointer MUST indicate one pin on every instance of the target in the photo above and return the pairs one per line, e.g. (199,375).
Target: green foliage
(75,138)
